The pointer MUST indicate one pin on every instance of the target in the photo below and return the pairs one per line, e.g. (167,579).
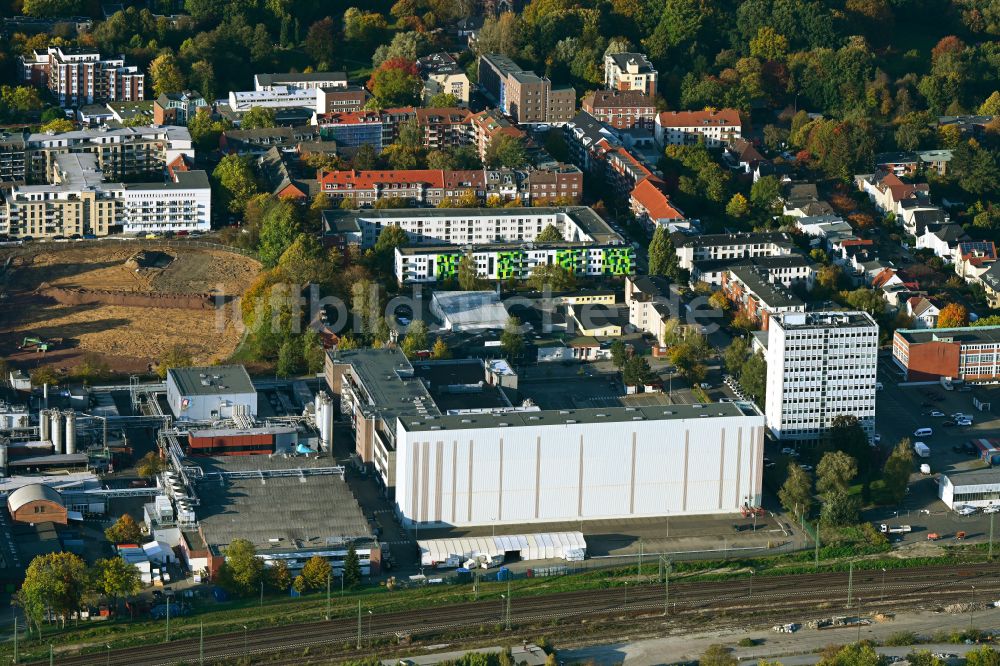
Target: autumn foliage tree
(396,83)
(953,315)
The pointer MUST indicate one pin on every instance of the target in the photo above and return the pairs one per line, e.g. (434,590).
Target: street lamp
(245,650)
(108,645)
(626,595)
(751,582)
(882,597)
(493,522)
(371,637)
(972,611)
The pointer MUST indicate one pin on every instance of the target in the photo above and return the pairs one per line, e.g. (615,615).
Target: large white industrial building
(211,393)
(820,365)
(550,466)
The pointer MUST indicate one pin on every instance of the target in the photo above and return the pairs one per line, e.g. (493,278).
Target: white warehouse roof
(469,310)
(542,546)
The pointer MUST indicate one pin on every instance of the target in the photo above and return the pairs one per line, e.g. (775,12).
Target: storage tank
(3,460)
(44,432)
(324,420)
(70,431)
(57,431)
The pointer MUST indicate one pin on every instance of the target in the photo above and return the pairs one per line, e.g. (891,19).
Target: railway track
(788,595)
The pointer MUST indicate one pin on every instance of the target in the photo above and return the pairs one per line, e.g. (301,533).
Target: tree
(257,117)
(52,8)
(735,355)
(278,576)
(366,157)
(305,262)
(553,277)
(166,74)
(390,238)
(442,101)
(835,472)
(416,338)
(717,655)
(241,572)
(898,466)
(316,572)
(636,371)
(984,656)
(440,350)
(991,106)
(768,44)
(719,301)
(125,530)
(840,508)
(396,83)
(550,234)
(765,194)
(363,27)
(279,229)
(619,353)
(753,378)
(205,131)
(57,126)
(855,654)
(115,578)
(468,274)
(501,34)
(290,360)
(177,356)
(738,206)
(953,315)
(236,182)
(53,581)
(150,465)
(505,151)
(352,568)
(512,339)
(321,40)
(796,493)
(662,255)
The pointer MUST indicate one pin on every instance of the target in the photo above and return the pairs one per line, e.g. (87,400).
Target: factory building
(37,503)
(978,488)
(464,457)
(211,393)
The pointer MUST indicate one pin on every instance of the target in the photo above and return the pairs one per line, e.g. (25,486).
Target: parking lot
(900,411)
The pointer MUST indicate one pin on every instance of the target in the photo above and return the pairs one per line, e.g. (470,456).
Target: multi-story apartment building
(177,108)
(443,75)
(259,141)
(79,202)
(784,269)
(820,365)
(621,108)
(124,153)
(275,97)
(523,95)
(441,127)
(970,353)
(716,128)
(755,293)
(651,204)
(428,187)
(300,81)
(629,71)
(465,226)
(730,246)
(511,261)
(344,99)
(489,124)
(78,76)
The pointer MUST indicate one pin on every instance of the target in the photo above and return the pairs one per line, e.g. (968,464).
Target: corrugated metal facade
(576,471)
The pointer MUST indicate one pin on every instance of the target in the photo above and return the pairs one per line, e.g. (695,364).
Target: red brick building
(621,108)
(970,353)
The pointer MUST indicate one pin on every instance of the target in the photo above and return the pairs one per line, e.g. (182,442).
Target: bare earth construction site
(127,302)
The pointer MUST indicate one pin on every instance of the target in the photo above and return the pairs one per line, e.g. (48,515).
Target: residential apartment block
(275,97)
(78,76)
(621,108)
(629,71)
(428,187)
(124,153)
(755,293)
(820,365)
(715,128)
(345,99)
(511,261)
(178,108)
(647,298)
(443,75)
(259,141)
(692,248)
(79,202)
(442,127)
(300,81)
(784,269)
(523,95)
(468,226)
(970,353)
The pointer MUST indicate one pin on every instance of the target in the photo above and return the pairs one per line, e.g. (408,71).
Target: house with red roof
(890,194)
(651,205)
(716,127)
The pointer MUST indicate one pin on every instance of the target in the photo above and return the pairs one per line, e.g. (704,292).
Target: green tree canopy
(235,182)
(505,151)
(257,117)
(241,572)
(125,530)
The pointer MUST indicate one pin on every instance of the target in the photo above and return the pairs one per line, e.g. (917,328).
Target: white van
(923,432)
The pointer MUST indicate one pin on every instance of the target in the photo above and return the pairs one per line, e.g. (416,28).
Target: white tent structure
(542,546)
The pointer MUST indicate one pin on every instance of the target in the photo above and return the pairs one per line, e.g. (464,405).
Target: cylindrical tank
(43,425)
(71,431)
(328,420)
(3,460)
(57,431)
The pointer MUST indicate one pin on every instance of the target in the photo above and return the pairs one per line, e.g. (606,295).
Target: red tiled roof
(476,179)
(724,117)
(883,277)
(649,194)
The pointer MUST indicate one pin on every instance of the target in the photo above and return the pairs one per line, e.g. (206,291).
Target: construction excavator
(38,343)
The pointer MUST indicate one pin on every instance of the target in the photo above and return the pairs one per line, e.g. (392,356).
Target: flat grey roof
(967,334)
(772,294)
(488,247)
(299,77)
(558,417)
(831,319)
(312,511)
(974,477)
(743,238)
(222,379)
(389,378)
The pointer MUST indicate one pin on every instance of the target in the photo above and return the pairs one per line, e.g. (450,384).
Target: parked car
(937,414)
(965,510)
(789,452)
(993,508)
